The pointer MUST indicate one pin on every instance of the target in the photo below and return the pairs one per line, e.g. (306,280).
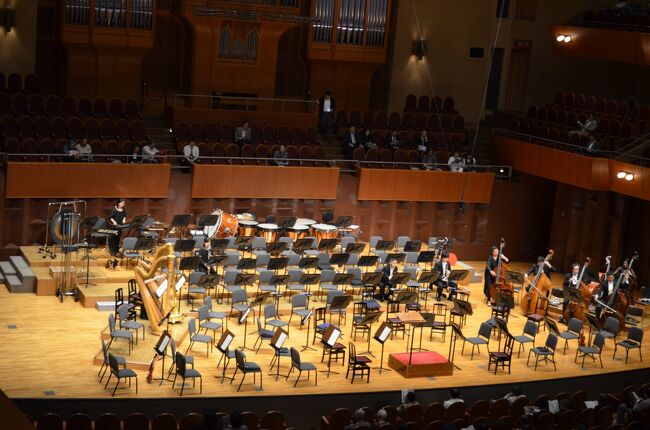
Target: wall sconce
(7,18)
(564,38)
(625,175)
(419,48)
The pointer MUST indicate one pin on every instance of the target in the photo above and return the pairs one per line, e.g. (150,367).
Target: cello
(619,300)
(540,287)
(575,309)
(500,285)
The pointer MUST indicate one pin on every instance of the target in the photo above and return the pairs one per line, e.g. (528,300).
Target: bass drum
(226,226)
(64,227)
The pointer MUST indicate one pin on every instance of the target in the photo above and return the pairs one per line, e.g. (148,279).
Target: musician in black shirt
(542,263)
(116,219)
(387,285)
(491,271)
(204,256)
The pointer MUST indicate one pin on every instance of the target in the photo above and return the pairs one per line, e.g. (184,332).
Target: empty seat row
(434,104)
(249,152)
(22,104)
(632,19)
(395,121)
(56,127)
(15,84)
(552,116)
(409,139)
(49,146)
(602,105)
(225,133)
(386,155)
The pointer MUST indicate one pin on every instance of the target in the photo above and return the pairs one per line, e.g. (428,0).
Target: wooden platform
(50,350)
(420,364)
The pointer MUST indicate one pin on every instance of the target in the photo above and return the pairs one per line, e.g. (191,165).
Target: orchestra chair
(134,300)
(357,281)
(401,242)
(106,364)
(205,323)
(594,325)
(239,301)
(294,286)
(326,285)
(197,337)
(439,322)
(538,317)
(188,358)
(358,314)
(633,341)
(320,323)
(396,324)
(265,277)
(226,356)
(262,335)
(299,303)
(483,338)
(340,312)
(272,318)
(119,334)
(246,367)
(193,288)
(528,336)
(373,241)
(120,374)
(634,316)
(610,328)
(358,364)
(596,348)
(119,301)
(126,323)
(186,373)
(223,316)
(574,329)
(129,251)
(333,353)
(300,366)
(546,352)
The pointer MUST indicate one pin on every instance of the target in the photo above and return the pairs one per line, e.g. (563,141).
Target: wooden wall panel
(264,182)
(425,186)
(259,118)
(79,180)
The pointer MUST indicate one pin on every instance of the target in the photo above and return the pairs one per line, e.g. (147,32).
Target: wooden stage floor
(48,351)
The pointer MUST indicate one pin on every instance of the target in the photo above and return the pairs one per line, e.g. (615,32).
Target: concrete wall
(18,47)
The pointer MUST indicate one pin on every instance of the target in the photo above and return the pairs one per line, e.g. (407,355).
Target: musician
(491,271)
(444,268)
(204,256)
(622,268)
(570,281)
(541,264)
(387,279)
(116,219)
(607,288)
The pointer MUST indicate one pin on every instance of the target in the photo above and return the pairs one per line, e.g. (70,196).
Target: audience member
(243,133)
(469,162)
(281,156)
(235,422)
(455,398)
(135,155)
(359,420)
(514,394)
(84,150)
(392,140)
(429,159)
(326,106)
(456,162)
(409,400)
(422,141)
(380,418)
(586,128)
(69,148)
(191,153)
(351,141)
(366,139)
(149,152)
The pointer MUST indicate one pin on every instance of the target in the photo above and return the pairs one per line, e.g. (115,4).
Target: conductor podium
(418,364)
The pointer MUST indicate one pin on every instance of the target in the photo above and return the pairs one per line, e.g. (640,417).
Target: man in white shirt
(149,152)
(85,150)
(243,133)
(456,162)
(191,153)
(455,398)
(586,128)
(326,106)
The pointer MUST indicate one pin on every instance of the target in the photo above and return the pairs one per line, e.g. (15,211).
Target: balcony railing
(217,101)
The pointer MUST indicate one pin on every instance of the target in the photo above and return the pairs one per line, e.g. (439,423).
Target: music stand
(413,318)
(278,280)
(222,345)
(184,245)
(189,264)
(342,279)
(427,278)
(245,264)
(329,339)
(514,277)
(301,245)
(369,319)
(144,244)
(161,350)
(276,248)
(206,220)
(244,318)
(181,220)
(244,243)
(339,303)
(339,259)
(427,258)
(398,256)
(384,245)
(278,263)
(458,275)
(343,221)
(208,281)
(307,263)
(400,278)
(367,261)
(326,245)
(307,319)
(413,246)
(504,299)
(382,335)
(258,300)
(279,338)
(219,245)
(287,222)
(455,334)
(307,279)
(355,248)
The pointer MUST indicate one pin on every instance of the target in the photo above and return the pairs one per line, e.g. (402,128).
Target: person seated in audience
(84,150)
(70,149)
(409,400)
(380,418)
(455,398)
(392,140)
(359,420)
(514,394)
(149,152)
(235,422)
(351,141)
(586,128)
(456,162)
(429,159)
(191,153)
(243,133)
(593,144)
(469,162)
(281,156)
(422,141)
(366,139)
(135,157)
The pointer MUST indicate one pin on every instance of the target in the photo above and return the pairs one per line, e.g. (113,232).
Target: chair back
(272,420)
(195,277)
(239,358)
(551,342)
(269,311)
(352,353)
(635,334)
(112,361)
(105,352)
(181,364)
(599,341)
(111,322)
(259,325)
(611,325)
(295,357)
(320,315)
(123,312)
(485,331)
(191,325)
(412,413)
(136,421)
(208,303)
(298,301)
(204,313)
(574,325)
(172,345)
(552,326)
(239,296)
(530,328)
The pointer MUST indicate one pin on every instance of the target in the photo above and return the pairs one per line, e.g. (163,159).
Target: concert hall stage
(52,350)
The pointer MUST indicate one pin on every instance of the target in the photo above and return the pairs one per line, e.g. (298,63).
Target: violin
(500,284)
(151,368)
(576,309)
(537,289)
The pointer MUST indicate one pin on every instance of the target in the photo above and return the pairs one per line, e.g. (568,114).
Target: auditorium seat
(359,154)
(115,108)
(196,132)
(262,151)
(448,105)
(100,108)
(211,132)
(136,421)
(368,119)
(46,146)
(181,132)
(137,130)
(297,136)
(410,104)
(408,121)
(97,147)
(164,422)
(398,156)
(53,106)
(37,105)
(381,120)
(268,135)
(248,154)
(283,135)
(433,122)
(15,83)
(341,118)
(292,151)
(354,119)
(304,152)
(84,107)
(424,103)
(12,145)
(319,154)
(25,127)
(126,147)
(394,121)
(30,146)
(5,104)
(232,150)
(91,128)
(121,130)
(113,147)
(219,150)
(420,122)
(69,107)
(372,155)
(75,128)
(436,104)
(3,83)
(131,110)
(311,137)
(19,104)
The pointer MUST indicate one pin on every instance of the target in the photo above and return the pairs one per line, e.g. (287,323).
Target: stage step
(7,268)
(105,306)
(25,274)
(15,285)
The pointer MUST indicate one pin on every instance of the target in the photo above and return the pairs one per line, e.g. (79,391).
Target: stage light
(560,38)
(7,19)
(170,131)
(567,39)
(629,176)
(620,175)
(501,170)
(419,48)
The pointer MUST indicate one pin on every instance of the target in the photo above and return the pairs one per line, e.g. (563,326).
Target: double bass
(500,285)
(539,287)
(576,309)
(619,300)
